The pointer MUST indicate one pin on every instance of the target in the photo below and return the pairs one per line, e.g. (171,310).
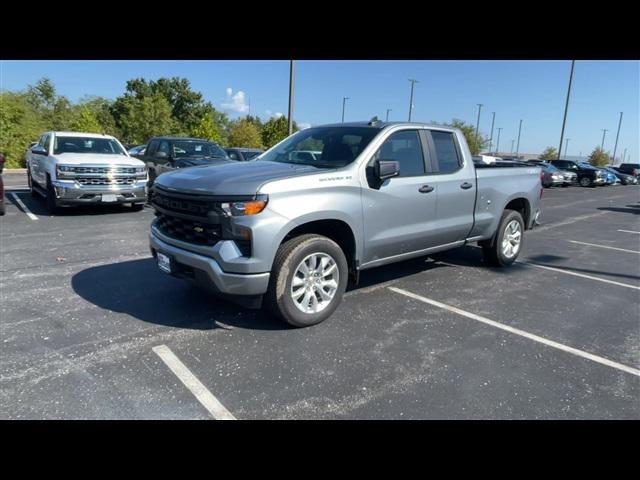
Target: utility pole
(512,142)
(566,107)
(498,142)
(249,106)
(566,146)
(388,110)
(493,119)
(617,135)
(291,78)
(480,105)
(604,133)
(518,147)
(624,155)
(413,82)
(344,99)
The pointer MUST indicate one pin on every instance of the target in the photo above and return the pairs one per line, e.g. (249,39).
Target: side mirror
(384,169)
(39,150)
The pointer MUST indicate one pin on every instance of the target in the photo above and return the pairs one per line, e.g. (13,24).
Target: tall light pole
(493,120)
(566,146)
(617,134)
(344,100)
(604,133)
(388,110)
(498,142)
(518,147)
(413,82)
(291,75)
(624,155)
(512,142)
(566,107)
(480,105)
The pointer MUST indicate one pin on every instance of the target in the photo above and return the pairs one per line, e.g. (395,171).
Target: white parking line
(204,396)
(603,246)
(629,231)
(522,333)
(23,207)
(575,274)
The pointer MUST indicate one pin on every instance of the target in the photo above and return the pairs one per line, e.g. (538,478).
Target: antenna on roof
(374,121)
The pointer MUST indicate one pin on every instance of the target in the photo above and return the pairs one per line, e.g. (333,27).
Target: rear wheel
(585,182)
(308,279)
(506,245)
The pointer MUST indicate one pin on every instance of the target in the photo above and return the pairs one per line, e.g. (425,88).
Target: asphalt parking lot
(90,328)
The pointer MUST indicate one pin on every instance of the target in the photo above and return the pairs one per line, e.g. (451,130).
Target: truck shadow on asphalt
(552,261)
(38,207)
(136,288)
(634,209)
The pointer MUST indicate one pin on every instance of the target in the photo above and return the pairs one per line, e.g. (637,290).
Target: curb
(14,170)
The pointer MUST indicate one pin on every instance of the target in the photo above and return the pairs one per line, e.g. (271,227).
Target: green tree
(187,107)
(86,121)
(549,153)
(42,95)
(207,130)
(245,134)
(469,132)
(275,130)
(20,124)
(101,108)
(599,157)
(146,117)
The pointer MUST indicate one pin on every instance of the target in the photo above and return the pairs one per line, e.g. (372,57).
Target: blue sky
(530,90)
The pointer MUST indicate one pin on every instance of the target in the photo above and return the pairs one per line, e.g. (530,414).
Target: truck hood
(96,159)
(237,178)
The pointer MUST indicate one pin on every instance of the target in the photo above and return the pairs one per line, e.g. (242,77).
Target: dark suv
(168,153)
(588,176)
(629,169)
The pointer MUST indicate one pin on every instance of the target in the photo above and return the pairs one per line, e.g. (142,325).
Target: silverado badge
(198,229)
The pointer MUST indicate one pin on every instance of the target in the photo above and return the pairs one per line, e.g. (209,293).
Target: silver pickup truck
(290,233)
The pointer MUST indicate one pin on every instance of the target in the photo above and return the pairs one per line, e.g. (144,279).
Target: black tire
(2,209)
(52,202)
(290,254)
(32,190)
(492,251)
(136,207)
(564,185)
(585,182)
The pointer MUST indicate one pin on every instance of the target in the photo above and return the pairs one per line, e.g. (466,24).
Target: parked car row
(567,172)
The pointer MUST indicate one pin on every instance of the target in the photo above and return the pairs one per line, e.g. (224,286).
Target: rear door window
(447,157)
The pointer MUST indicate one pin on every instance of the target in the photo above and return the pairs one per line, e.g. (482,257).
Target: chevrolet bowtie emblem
(198,229)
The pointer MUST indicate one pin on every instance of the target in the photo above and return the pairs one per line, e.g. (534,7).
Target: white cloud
(235,103)
(270,114)
(303,125)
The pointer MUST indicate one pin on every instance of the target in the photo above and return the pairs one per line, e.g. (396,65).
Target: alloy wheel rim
(314,283)
(512,239)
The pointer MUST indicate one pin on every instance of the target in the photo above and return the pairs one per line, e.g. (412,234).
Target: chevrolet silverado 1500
(72,168)
(291,232)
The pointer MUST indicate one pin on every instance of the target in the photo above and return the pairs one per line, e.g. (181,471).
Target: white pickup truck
(72,168)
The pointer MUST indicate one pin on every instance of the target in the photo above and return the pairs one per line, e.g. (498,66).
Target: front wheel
(308,280)
(32,190)
(507,243)
(585,182)
(52,202)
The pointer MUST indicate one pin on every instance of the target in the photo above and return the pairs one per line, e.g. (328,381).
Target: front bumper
(207,273)
(69,193)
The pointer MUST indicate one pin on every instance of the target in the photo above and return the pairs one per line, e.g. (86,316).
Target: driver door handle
(466,185)
(426,189)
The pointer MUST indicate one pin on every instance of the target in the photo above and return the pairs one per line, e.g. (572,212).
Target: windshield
(322,147)
(87,145)
(248,155)
(194,148)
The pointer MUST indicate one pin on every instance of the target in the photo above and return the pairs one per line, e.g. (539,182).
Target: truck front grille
(105,181)
(187,230)
(105,170)
(198,208)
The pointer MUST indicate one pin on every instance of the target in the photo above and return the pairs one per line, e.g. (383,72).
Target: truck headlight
(248,207)
(64,170)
